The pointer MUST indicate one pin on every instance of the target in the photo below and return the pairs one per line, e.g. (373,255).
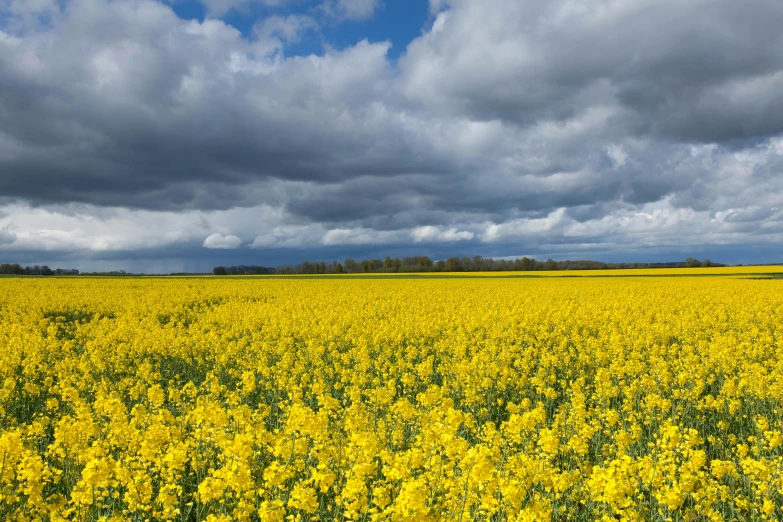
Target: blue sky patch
(398,22)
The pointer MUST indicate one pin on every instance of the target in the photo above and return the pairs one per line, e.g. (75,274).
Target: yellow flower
(303,498)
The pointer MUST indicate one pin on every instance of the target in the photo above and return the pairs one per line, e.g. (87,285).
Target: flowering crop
(391,399)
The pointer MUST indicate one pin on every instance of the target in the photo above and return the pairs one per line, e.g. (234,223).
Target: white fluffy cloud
(286,28)
(351,9)
(430,233)
(219,241)
(78,227)
(525,227)
(221,7)
(341,9)
(359,236)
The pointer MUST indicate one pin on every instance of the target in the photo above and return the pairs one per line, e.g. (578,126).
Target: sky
(176,135)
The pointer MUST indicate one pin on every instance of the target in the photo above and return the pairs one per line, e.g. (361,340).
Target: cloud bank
(548,127)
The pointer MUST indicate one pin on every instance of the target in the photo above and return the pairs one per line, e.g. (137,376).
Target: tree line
(38,270)
(692,262)
(452,264)
(389,265)
(242,270)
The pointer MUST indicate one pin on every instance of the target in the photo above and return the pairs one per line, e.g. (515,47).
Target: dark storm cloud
(692,70)
(73,144)
(124,104)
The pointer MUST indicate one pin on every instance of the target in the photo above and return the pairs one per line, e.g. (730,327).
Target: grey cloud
(6,236)
(745,215)
(133,103)
(694,70)
(502,115)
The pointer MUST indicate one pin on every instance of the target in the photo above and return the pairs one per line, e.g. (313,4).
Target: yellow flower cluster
(391,399)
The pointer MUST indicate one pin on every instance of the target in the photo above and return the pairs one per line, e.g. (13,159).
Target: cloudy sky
(165,135)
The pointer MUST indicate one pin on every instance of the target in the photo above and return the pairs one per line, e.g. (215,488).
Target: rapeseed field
(391,399)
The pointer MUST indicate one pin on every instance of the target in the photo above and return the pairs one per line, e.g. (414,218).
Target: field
(411,399)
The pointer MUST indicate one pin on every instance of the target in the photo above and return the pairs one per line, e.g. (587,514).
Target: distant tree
(424,262)
(351,266)
(387,264)
(11,269)
(338,268)
(396,265)
(247,270)
(707,262)
(219,270)
(453,264)
(692,262)
(37,270)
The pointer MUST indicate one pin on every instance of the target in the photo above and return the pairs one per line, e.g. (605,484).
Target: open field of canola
(422,399)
